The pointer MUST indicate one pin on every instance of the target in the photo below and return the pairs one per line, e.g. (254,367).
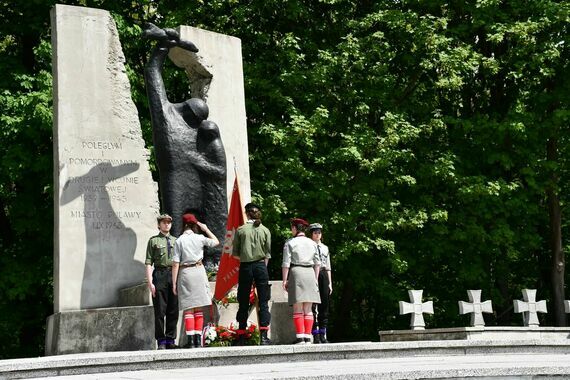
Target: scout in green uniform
(252,244)
(159,253)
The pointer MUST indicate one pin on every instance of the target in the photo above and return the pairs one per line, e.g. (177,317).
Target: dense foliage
(430,139)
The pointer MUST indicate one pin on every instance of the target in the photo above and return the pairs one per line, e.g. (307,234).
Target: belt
(162,268)
(186,265)
(302,266)
(253,262)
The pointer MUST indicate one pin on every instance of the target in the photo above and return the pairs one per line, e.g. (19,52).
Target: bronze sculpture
(189,152)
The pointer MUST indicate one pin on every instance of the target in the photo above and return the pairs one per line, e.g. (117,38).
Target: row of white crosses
(529,308)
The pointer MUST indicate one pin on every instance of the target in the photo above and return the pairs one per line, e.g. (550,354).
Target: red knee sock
(189,323)
(198,321)
(299,325)
(308,325)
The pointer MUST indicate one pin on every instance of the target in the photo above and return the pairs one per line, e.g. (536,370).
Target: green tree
(26,207)
(430,138)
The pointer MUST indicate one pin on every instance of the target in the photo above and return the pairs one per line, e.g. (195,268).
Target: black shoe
(299,341)
(316,338)
(189,341)
(171,346)
(323,338)
(161,347)
(264,340)
(240,341)
(307,340)
(198,340)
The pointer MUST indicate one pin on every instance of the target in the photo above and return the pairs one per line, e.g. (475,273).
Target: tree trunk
(558,262)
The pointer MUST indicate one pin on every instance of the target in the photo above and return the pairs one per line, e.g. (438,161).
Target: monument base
(100,330)
(131,328)
(490,333)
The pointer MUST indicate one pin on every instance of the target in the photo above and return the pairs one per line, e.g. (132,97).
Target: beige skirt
(303,286)
(193,288)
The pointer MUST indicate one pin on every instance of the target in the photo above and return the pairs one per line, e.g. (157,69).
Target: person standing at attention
(189,278)
(159,251)
(321,311)
(300,269)
(252,245)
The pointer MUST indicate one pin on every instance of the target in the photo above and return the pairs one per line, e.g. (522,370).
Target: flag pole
(237,184)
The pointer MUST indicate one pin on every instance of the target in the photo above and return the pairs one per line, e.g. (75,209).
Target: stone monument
(478,331)
(416,308)
(105,199)
(106,202)
(475,307)
(529,307)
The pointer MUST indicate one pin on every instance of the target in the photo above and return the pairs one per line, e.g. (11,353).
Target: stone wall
(105,199)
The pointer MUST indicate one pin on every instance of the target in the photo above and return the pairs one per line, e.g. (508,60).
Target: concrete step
(426,359)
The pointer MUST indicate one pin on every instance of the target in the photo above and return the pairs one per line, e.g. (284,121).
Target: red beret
(189,218)
(297,221)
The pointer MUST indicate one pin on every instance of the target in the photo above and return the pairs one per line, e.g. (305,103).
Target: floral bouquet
(221,336)
(251,333)
(218,336)
(231,297)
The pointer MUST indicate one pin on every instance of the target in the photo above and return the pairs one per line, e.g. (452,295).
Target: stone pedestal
(489,333)
(100,330)
(131,328)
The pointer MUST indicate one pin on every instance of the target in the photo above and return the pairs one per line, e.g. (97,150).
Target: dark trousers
(165,305)
(248,273)
(321,311)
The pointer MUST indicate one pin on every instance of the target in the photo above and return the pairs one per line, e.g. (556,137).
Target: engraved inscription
(101,185)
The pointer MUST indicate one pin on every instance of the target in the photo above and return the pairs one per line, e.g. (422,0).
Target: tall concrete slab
(106,202)
(216,75)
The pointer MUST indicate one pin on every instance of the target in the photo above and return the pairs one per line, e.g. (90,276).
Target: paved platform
(526,366)
(363,360)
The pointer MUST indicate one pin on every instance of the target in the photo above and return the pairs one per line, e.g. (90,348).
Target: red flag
(229,265)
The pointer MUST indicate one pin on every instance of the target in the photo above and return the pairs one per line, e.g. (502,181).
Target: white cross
(476,308)
(529,307)
(416,308)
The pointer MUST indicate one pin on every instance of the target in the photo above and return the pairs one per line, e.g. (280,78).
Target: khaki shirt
(324,256)
(157,250)
(300,250)
(189,248)
(252,243)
